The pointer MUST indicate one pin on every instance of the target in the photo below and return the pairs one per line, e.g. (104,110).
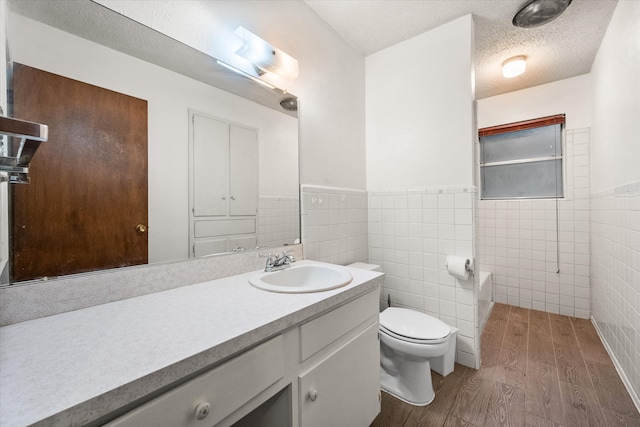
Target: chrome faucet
(274,261)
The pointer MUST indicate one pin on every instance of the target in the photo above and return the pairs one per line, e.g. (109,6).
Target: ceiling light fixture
(539,12)
(513,67)
(265,57)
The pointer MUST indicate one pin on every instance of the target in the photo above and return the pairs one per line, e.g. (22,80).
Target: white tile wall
(334,224)
(615,276)
(524,243)
(411,232)
(278,220)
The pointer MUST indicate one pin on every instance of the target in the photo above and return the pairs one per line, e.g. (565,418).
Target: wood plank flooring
(538,370)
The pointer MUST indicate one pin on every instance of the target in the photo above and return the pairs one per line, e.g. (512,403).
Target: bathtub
(485,298)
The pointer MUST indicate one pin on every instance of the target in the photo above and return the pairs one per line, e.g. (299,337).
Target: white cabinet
(223,185)
(243,171)
(324,372)
(343,389)
(339,383)
(210,167)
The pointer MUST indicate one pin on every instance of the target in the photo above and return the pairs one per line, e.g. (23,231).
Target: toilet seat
(413,326)
(410,339)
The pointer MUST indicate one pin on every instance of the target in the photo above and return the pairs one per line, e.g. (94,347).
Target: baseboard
(618,366)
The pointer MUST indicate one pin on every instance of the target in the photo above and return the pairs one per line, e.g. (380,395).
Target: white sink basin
(302,277)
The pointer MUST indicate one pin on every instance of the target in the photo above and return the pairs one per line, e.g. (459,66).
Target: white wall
(616,91)
(615,201)
(330,84)
(419,110)
(169,96)
(570,96)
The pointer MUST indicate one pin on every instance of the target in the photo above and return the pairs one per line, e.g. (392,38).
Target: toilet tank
(365,266)
(372,267)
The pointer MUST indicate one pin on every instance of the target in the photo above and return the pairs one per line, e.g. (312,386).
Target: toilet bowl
(413,343)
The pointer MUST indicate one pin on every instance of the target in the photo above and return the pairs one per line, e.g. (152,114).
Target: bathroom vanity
(217,353)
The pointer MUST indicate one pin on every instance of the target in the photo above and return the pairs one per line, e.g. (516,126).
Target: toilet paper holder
(468,264)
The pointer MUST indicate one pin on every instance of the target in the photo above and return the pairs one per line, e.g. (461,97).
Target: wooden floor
(538,369)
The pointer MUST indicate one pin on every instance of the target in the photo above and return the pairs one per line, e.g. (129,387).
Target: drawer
(246,242)
(225,388)
(209,247)
(224,227)
(322,331)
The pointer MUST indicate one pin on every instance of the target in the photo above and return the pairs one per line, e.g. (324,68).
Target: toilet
(412,344)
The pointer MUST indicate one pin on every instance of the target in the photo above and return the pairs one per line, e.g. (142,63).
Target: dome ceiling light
(514,67)
(539,12)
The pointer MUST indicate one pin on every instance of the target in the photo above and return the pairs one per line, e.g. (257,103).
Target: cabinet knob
(312,395)
(141,228)
(224,197)
(202,410)
(233,198)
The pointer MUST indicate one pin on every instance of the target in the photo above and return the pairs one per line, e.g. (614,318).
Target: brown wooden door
(88,188)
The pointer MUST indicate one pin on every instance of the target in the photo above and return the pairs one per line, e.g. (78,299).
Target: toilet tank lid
(365,266)
(413,324)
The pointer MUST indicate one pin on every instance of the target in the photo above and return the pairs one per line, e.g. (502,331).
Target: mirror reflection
(219,170)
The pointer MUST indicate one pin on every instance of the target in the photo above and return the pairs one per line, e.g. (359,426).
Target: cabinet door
(210,166)
(344,388)
(243,178)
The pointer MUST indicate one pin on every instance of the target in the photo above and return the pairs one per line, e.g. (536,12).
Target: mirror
(85,41)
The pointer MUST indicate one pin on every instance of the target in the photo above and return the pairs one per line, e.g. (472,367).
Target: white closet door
(243,178)
(210,166)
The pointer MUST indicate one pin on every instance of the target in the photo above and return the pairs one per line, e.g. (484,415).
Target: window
(522,160)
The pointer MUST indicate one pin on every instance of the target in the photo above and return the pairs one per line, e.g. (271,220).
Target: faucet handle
(285,254)
(271,261)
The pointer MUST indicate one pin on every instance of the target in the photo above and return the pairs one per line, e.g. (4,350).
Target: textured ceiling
(563,48)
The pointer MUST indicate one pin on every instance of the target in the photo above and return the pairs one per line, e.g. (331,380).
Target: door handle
(141,228)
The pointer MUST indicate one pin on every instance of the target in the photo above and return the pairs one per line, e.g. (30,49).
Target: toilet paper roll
(456,266)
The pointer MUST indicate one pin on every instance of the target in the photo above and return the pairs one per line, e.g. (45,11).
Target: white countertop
(75,367)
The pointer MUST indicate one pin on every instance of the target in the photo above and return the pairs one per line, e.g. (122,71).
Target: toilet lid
(413,324)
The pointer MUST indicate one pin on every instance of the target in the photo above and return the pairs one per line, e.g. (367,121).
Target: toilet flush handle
(312,395)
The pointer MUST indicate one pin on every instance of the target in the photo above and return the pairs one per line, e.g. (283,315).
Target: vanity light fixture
(247,75)
(513,67)
(265,57)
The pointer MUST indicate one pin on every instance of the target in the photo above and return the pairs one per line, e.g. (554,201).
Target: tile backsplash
(278,220)
(334,224)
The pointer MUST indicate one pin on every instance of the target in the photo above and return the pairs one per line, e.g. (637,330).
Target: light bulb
(513,67)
